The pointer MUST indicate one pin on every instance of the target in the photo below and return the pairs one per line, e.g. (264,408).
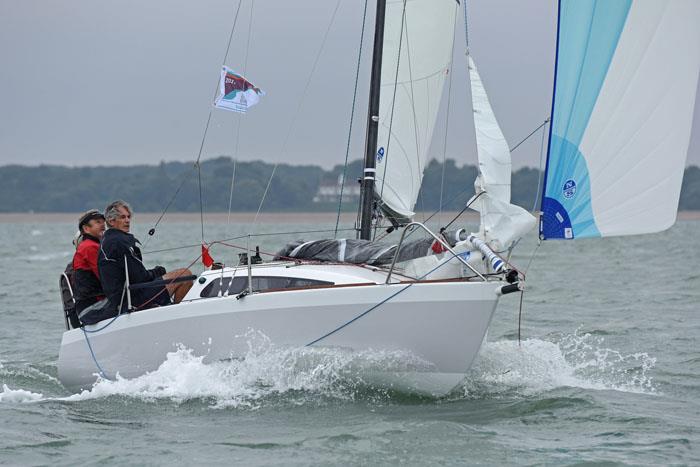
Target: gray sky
(87,82)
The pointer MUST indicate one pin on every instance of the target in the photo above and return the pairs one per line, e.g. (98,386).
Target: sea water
(607,369)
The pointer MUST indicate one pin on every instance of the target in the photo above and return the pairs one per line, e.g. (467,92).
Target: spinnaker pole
(367,187)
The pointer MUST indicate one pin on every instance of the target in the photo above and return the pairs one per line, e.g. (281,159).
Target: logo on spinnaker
(569,189)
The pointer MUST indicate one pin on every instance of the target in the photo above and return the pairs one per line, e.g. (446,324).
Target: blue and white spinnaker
(625,85)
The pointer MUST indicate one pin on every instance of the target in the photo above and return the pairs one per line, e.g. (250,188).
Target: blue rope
(376,306)
(94,359)
(92,353)
(104,327)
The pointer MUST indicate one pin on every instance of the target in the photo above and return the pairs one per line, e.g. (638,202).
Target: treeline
(51,188)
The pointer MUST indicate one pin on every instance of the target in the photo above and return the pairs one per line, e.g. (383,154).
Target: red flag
(437,247)
(207,260)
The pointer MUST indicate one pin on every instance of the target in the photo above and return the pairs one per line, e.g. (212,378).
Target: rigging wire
(301,102)
(447,121)
(442,206)
(466,26)
(233,28)
(374,307)
(528,136)
(534,207)
(416,136)
(267,188)
(471,201)
(461,193)
(352,114)
(238,117)
(197,163)
(261,234)
(537,196)
(421,198)
(152,230)
(520,315)
(539,172)
(393,102)
(230,196)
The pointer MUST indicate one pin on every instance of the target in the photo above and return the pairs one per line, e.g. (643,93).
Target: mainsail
(502,223)
(417,56)
(625,84)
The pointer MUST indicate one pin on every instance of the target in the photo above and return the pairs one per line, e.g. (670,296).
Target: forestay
(625,84)
(502,223)
(416,60)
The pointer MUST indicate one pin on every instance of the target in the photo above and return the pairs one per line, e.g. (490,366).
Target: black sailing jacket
(117,245)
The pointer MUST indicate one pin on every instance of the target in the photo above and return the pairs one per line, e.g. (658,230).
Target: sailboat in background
(434,298)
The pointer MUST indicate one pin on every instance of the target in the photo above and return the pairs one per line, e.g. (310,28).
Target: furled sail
(416,60)
(625,84)
(502,223)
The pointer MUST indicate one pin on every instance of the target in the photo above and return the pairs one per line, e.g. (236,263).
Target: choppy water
(608,372)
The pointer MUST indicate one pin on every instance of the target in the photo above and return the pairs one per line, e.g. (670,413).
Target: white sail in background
(502,223)
(625,85)
(416,60)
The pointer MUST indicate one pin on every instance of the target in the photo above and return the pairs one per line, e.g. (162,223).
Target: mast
(367,187)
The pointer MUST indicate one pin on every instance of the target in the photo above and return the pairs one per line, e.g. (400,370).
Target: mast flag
(236,93)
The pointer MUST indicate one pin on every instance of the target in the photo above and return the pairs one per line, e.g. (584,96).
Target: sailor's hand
(159,271)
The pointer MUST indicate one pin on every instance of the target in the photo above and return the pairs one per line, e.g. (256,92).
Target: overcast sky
(88,82)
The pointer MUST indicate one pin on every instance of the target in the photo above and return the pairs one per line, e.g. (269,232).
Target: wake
(308,375)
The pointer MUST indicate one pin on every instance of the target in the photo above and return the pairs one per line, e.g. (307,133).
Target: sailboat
(620,127)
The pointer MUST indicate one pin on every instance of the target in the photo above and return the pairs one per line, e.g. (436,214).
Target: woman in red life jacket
(86,277)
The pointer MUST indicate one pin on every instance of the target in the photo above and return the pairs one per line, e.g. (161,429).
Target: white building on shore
(330,192)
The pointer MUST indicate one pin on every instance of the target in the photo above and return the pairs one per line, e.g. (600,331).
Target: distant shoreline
(237,217)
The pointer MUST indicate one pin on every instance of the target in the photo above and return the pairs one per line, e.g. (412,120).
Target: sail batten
(625,85)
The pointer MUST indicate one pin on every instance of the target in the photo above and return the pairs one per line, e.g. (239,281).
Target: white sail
(416,60)
(502,223)
(626,79)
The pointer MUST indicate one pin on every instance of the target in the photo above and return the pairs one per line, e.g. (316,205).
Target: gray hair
(112,210)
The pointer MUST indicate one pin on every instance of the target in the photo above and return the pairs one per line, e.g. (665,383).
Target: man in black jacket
(118,248)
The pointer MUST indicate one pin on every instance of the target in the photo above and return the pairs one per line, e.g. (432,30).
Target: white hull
(441,323)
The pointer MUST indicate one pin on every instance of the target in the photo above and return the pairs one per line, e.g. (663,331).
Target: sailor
(118,248)
(86,276)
